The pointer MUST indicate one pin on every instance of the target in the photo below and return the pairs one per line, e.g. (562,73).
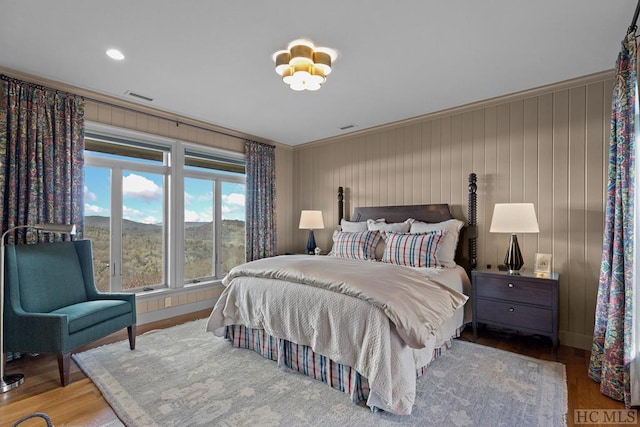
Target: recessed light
(115,54)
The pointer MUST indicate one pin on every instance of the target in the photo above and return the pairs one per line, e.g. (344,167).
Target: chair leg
(64,362)
(131,330)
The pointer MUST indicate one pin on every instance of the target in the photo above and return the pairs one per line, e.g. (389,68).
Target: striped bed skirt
(303,359)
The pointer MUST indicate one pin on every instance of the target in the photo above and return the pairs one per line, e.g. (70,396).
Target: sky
(142,197)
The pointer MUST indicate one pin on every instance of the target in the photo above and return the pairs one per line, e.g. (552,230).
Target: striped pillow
(413,250)
(358,245)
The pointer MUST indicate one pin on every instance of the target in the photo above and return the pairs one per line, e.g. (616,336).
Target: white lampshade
(311,220)
(514,218)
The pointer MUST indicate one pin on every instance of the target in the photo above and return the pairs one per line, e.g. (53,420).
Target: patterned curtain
(261,201)
(613,350)
(41,158)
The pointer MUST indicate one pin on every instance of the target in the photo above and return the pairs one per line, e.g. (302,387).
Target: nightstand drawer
(515,315)
(514,289)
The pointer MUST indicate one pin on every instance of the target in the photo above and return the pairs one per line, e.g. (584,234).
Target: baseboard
(572,339)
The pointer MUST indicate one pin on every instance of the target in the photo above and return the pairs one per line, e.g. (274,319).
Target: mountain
(142,250)
(127,225)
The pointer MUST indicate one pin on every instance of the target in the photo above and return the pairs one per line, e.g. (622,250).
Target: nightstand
(524,302)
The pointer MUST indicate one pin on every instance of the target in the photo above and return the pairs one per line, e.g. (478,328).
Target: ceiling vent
(347,127)
(137,95)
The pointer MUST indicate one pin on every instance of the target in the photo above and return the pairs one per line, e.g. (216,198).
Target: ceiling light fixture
(115,54)
(303,66)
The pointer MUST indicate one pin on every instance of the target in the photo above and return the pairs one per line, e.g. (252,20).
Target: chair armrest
(131,297)
(45,331)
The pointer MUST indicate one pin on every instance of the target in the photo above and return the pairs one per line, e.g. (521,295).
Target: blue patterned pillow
(358,245)
(413,250)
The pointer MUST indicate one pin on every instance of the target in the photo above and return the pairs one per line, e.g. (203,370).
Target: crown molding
(516,96)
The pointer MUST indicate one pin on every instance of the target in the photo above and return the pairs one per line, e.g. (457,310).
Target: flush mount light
(303,66)
(115,54)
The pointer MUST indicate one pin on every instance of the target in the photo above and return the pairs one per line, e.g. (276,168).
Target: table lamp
(514,218)
(311,220)
(8,382)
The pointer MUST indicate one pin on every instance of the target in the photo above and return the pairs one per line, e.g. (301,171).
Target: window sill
(167,292)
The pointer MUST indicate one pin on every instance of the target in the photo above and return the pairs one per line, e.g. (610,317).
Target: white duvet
(370,316)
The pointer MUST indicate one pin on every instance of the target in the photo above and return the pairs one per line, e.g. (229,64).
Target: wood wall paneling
(530,170)
(576,200)
(560,234)
(547,147)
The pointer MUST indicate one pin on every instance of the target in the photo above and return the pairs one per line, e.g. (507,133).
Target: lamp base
(11,381)
(513,260)
(311,243)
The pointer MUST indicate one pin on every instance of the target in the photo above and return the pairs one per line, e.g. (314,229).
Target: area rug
(184,376)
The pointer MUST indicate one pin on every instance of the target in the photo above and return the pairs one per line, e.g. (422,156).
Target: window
(160,213)
(214,196)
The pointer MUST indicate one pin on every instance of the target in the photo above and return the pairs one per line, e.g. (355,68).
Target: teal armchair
(52,304)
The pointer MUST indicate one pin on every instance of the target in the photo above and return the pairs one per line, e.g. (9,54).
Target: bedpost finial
(340,204)
(472,225)
(473,178)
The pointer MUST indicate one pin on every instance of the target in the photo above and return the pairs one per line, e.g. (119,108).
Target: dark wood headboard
(426,213)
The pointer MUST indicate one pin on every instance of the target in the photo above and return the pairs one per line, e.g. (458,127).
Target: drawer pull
(511,309)
(511,285)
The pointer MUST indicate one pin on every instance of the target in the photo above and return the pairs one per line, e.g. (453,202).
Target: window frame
(218,178)
(174,172)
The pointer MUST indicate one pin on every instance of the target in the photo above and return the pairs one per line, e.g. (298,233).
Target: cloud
(233,199)
(138,216)
(233,206)
(190,198)
(207,197)
(193,216)
(149,220)
(94,210)
(139,187)
(88,195)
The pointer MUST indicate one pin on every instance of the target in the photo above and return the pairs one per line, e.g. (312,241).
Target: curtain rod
(15,81)
(157,116)
(634,21)
(177,122)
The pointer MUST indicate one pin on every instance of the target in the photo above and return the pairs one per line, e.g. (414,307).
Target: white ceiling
(211,59)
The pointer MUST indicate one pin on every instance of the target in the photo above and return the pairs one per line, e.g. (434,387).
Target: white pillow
(353,227)
(396,227)
(447,249)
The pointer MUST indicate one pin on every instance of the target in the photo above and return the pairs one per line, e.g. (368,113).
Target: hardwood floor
(78,404)
(82,404)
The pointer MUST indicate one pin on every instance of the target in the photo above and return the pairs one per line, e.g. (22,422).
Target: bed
(367,328)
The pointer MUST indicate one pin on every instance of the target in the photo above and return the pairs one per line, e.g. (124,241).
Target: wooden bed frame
(466,254)
(341,377)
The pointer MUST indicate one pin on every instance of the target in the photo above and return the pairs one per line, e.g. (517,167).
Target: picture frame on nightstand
(542,265)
